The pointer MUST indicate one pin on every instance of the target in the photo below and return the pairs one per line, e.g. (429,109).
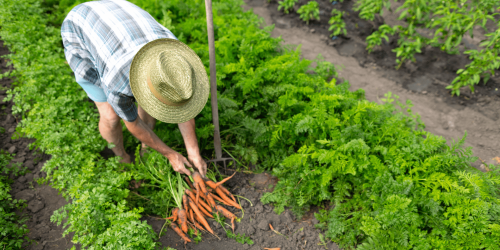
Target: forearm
(143,133)
(188,132)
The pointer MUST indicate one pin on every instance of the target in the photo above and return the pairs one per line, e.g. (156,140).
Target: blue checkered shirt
(100,40)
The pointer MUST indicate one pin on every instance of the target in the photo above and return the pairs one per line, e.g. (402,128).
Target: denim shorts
(95,93)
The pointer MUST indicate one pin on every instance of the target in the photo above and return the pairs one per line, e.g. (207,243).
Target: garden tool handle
(213,79)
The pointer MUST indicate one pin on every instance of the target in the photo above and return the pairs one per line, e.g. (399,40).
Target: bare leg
(149,120)
(111,130)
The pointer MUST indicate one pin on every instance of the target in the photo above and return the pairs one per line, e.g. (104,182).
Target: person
(121,55)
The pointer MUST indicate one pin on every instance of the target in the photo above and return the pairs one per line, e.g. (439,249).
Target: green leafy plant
(13,229)
(322,241)
(286,5)
(309,11)
(324,69)
(376,37)
(483,64)
(195,236)
(337,24)
(386,191)
(368,8)
(450,21)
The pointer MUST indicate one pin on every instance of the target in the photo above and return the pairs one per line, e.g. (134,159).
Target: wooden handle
(213,79)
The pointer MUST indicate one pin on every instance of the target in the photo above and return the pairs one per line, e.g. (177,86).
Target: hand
(178,161)
(199,163)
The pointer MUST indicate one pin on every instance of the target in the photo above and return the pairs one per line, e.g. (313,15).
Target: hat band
(160,97)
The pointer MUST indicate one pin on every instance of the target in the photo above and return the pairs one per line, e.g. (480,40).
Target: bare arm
(143,133)
(188,131)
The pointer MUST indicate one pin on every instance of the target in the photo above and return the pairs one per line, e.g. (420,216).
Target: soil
(422,82)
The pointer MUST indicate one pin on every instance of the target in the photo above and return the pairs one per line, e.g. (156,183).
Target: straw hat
(169,81)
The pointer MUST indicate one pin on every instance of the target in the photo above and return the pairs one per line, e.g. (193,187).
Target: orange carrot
(202,195)
(210,200)
(182,220)
(184,201)
(197,194)
(205,212)
(189,183)
(228,193)
(214,186)
(211,184)
(191,214)
(192,219)
(201,185)
(188,216)
(223,196)
(219,199)
(174,214)
(226,179)
(198,179)
(201,202)
(201,219)
(226,214)
(189,193)
(198,218)
(205,206)
(180,233)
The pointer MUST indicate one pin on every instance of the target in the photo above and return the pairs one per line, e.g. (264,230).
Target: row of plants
(449,21)
(388,184)
(56,113)
(13,227)
(392,183)
(310,11)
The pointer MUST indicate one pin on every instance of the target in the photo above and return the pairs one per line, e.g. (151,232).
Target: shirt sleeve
(77,56)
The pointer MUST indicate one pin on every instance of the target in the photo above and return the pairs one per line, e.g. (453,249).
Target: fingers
(185,171)
(200,164)
(178,161)
(187,163)
(203,169)
(181,169)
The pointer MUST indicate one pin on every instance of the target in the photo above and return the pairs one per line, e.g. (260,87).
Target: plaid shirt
(100,40)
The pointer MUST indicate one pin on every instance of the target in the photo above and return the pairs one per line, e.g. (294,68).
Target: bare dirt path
(442,114)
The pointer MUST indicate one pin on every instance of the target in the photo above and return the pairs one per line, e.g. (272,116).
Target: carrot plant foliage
(13,229)
(391,184)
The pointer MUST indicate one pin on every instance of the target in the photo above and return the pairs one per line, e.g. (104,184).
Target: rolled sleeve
(124,106)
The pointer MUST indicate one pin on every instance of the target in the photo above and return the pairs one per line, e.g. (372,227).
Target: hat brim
(144,96)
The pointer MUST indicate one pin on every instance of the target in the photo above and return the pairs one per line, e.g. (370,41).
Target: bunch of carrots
(198,203)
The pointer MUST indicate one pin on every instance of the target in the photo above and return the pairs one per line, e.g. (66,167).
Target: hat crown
(172,78)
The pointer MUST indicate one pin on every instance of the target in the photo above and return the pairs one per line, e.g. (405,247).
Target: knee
(108,117)
(110,121)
